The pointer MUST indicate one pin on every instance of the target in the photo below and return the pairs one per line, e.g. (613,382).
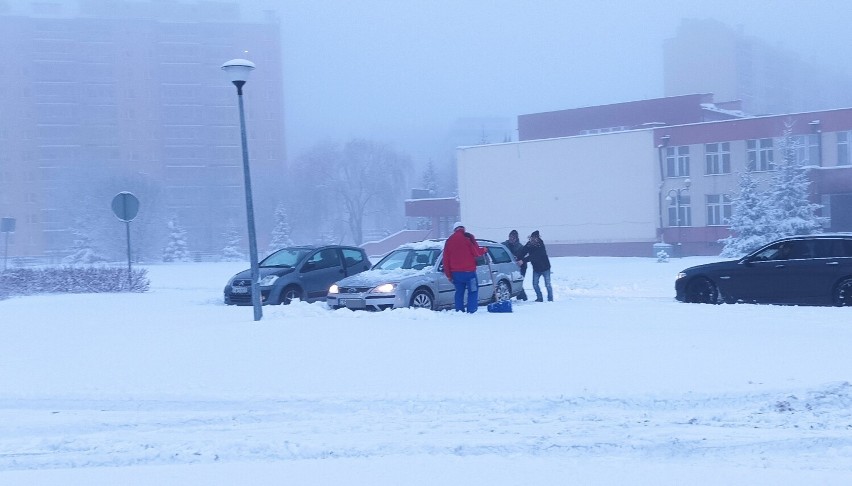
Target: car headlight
(268,280)
(680,275)
(334,289)
(384,288)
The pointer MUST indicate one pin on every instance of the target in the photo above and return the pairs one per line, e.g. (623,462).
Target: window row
(760,154)
(717,207)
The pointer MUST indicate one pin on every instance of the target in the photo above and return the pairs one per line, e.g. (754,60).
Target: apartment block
(103,96)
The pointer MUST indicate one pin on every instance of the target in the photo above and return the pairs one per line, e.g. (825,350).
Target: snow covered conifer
(281,231)
(176,249)
(83,251)
(430,179)
(232,251)
(751,221)
(795,214)
(785,209)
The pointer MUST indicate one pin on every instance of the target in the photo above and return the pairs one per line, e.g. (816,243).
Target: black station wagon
(812,270)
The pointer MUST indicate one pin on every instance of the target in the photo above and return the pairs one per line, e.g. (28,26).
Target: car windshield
(408,259)
(286,257)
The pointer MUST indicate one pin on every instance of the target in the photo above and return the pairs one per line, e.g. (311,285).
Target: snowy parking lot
(613,383)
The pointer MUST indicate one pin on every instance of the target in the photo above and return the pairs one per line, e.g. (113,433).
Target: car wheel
(290,293)
(422,299)
(843,293)
(502,292)
(702,291)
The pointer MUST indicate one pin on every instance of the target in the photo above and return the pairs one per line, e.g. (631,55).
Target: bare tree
(349,183)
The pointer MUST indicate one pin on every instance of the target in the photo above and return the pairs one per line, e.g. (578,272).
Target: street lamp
(238,70)
(675,195)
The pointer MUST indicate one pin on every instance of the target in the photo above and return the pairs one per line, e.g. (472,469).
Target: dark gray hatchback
(810,270)
(300,272)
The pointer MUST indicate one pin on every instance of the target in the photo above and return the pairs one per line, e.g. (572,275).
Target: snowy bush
(71,279)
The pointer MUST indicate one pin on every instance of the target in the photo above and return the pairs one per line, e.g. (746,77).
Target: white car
(413,276)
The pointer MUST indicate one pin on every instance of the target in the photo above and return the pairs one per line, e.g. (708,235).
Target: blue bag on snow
(500,306)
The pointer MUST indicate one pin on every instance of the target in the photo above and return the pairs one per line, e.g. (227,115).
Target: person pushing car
(460,254)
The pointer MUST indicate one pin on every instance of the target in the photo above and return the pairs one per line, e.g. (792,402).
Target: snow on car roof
(423,245)
(434,244)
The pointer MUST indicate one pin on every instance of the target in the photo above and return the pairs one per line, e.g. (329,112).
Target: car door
(778,274)
(319,271)
(832,261)
(355,261)
(503,264)
(445,290)
(485,273)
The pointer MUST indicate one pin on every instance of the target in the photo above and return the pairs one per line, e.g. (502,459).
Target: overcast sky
(402,71)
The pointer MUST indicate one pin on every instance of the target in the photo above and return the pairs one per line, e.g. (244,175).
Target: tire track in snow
(750,430)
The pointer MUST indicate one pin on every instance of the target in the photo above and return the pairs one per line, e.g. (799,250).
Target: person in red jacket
(460,254)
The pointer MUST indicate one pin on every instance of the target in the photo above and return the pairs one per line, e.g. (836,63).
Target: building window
(680,211)
(843,155)
(806,149)
(759,154)
(718,209)
(677,161)
(717,157)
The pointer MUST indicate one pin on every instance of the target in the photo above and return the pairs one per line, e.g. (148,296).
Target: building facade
(618,192)
(106,96)
(708,56)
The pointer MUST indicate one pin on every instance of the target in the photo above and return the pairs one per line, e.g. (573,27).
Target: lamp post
(675,194)
(664,142)
(238,70)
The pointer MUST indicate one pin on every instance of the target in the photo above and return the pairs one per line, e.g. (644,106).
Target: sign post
(7,225)
(126,206)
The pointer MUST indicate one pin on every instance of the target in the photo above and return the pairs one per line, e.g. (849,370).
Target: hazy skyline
(403,72)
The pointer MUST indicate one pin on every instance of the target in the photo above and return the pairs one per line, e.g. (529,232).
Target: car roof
(817,236)
(317,247)
(435,244)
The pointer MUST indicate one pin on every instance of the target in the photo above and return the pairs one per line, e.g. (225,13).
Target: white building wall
(588,189)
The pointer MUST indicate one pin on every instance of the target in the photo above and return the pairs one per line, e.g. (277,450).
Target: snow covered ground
(613,383)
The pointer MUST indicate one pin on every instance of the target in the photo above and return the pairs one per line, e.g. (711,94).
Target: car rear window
(499,254)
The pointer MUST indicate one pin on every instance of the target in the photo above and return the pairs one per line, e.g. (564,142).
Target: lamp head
(815,126)
(238,70)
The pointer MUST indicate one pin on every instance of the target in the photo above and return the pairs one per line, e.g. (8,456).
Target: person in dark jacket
(536,253)
(460,254)
(515,247)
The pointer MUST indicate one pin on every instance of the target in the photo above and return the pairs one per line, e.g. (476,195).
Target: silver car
(413,276)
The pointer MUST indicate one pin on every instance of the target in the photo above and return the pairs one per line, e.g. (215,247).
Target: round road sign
(125,206)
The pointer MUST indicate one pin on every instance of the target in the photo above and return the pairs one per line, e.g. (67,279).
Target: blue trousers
(466,282)
(536,277)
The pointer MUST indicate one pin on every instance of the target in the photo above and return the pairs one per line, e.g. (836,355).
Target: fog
(420,77)
(404,72)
